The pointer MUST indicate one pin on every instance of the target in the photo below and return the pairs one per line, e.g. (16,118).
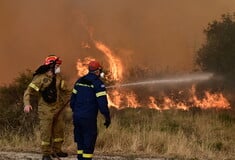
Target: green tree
(217,55)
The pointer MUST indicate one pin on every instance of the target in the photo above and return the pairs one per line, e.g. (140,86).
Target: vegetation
(144,132)
(195,134)
(12,118)
(174,133)
(217,55)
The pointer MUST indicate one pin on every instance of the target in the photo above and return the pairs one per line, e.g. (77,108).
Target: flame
(169,103)
(210,100)
(115,64)
(116,100)
(123,98)
(132,100)
(153,103)
(82,66)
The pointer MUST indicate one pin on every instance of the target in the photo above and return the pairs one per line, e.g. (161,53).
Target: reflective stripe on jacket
(39,83)
(89,96)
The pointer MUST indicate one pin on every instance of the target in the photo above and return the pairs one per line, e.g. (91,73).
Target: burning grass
(194,134)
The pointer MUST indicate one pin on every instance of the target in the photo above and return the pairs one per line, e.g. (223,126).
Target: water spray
(182,79)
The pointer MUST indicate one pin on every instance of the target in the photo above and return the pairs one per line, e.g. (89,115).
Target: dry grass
(142,132)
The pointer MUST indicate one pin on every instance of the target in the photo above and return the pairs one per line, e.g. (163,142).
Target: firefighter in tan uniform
(49,86)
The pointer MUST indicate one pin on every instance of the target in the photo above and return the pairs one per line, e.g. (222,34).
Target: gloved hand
(27,108)
(107,122)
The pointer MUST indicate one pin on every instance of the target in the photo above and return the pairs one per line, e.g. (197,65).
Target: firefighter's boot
(46,157)
(79,157)
(60,154)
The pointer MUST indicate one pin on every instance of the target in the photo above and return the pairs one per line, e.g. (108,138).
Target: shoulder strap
(49,94)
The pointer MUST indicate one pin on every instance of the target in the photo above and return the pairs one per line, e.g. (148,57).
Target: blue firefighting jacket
(89,96)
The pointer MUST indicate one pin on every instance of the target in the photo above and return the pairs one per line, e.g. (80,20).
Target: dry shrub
(150,133)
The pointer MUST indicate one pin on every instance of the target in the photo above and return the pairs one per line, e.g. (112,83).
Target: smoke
(154,33)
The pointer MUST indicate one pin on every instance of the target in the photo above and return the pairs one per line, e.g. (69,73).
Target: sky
(158,34)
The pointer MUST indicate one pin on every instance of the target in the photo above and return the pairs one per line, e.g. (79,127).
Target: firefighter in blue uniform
(89,97)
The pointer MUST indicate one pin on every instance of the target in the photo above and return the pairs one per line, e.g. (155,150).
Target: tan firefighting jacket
(39,83)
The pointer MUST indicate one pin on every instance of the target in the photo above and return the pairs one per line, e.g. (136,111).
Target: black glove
(107,122)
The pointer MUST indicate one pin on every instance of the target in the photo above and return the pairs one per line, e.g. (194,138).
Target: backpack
(49,94)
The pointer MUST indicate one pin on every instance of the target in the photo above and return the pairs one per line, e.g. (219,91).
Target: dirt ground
(36,156)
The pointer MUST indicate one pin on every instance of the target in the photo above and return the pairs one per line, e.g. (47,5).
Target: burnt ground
(37,156)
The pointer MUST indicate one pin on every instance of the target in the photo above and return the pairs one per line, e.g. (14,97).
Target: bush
(12,117)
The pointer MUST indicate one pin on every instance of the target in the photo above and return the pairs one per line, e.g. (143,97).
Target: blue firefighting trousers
(85,134)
